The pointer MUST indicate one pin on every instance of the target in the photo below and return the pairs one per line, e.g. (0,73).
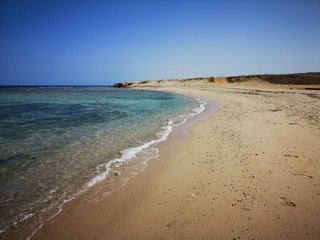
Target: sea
(56,142)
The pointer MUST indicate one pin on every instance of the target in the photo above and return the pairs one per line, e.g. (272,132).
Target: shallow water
(57,141)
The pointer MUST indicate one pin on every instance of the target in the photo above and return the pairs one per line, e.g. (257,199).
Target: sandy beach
(250,170)
(160,120)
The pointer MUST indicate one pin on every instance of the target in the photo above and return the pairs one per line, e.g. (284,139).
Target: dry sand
(250,171)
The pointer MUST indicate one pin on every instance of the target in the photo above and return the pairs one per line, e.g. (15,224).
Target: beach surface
(249,170)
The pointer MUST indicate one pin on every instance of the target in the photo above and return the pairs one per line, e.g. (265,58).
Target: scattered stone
(287,202)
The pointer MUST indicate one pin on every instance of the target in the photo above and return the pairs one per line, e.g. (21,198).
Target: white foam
(184,118)
(128,154)
(23,218)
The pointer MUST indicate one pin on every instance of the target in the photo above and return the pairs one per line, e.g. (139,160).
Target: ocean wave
(129,154)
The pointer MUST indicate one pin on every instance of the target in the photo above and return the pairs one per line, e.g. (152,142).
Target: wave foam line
(130,153)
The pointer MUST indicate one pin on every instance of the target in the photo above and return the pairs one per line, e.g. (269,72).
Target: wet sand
(249,171)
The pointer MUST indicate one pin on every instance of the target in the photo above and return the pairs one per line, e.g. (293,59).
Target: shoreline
(166,147)
(118,172)
(249,171)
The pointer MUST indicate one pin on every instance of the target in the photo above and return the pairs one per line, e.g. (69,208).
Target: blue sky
(102,42)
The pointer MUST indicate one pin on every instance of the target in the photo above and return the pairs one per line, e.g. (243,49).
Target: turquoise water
(58,141)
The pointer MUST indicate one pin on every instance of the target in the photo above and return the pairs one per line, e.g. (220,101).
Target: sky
(102,42)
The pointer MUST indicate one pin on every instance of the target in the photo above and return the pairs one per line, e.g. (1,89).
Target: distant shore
(249,171)
(308,81)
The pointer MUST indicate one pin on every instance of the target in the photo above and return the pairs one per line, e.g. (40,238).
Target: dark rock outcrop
(123,84)
(119,85)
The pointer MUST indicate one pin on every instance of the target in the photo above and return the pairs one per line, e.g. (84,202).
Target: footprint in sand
(287,202)
(170,224)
